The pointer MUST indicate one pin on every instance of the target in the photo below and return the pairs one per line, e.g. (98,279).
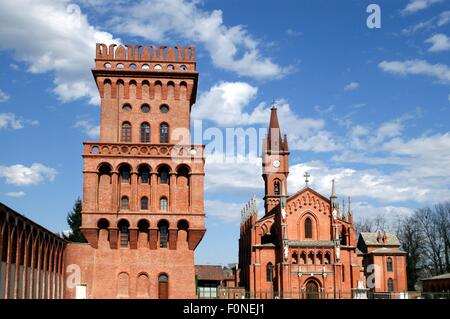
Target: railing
(124,149)
(240,293)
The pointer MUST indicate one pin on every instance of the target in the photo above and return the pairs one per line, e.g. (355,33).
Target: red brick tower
(275,162)
(143,212)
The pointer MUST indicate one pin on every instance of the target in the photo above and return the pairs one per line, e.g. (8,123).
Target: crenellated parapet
(145,58)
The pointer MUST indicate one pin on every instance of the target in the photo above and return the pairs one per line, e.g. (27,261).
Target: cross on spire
(307,176)
(274,104)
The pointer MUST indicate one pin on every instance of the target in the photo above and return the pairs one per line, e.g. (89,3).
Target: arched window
(164,108)
(126,132)
(124,233)
(308,228)
(269,272)
(390,285)
(389,264)
(125,203)
(163,173)
(163,287)
(163,229)
(126,107)
(276,188)
(344,236)
(144,203)
(144,174)
(125,172)
(164,133)
(163,204)
(145,133)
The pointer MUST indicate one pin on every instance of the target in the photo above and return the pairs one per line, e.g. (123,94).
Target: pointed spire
(274,135)
(333,195)
(283,194)
(285,143)
(349,212)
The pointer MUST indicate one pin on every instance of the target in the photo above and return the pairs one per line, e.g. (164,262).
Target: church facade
(305,245)
(143,212)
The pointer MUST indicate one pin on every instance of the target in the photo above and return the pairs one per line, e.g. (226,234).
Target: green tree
(74,221)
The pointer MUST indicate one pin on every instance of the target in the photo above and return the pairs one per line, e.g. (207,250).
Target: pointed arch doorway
(312,290)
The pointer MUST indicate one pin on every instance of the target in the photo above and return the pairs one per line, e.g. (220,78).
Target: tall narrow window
(269,272)
(389,264)
(163,287)
(390,285)
(163,175)
(124,233)
(276,188)
(164,133)
(144,203)
(308,228)
(144,174)
(145,133)
(126,132)
(125,172)
(163,234)
(125,203)
(163,204)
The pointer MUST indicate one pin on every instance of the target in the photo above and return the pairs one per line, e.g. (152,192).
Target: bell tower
(143,211)
(275,162)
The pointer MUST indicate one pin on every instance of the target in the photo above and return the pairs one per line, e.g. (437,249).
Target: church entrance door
(312,290)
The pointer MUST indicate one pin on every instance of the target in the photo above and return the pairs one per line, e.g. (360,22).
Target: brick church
(305,245)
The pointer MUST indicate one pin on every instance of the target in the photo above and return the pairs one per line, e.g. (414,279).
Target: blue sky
(367,107)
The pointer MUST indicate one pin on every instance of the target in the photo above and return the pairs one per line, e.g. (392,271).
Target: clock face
(276,163)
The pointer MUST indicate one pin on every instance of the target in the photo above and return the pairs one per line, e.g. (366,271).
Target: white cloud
(351,86)
(53,36)
(3,96)
(91,130)
(221,173)
(440,42)
(15,194)
(231,48)
(416,67)
(20,175)
(293,33)
(225,211)
(433,23)
(417,5)
(399,186)
(9,120)
(443,19)
(224,105)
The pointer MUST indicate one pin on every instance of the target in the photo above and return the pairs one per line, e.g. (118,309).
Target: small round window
(145,108)
(133,66)
(108,65)
(126,108)
(183,68)
(158,67)
(164,108)
(170,67)
(145,66)
(119,66)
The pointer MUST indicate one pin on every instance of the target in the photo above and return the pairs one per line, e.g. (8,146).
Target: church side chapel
(305,244)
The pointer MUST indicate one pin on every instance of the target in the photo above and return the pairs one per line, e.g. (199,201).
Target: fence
(240,293)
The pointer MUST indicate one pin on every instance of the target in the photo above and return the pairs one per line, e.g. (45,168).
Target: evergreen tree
(74,221)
